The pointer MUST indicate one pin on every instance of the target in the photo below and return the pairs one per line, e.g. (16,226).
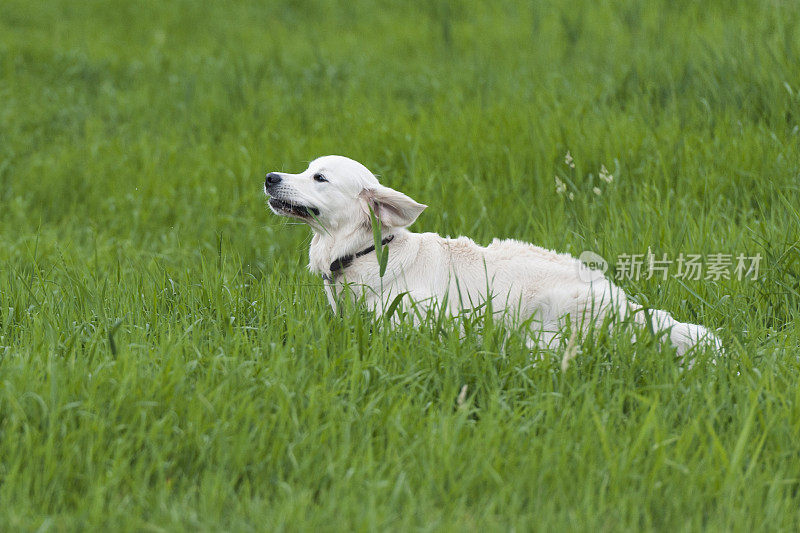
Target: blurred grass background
(167,361)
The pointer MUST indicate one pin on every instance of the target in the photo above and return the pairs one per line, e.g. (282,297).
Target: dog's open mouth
(301,211)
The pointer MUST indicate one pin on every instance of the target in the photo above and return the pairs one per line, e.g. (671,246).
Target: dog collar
(344,261)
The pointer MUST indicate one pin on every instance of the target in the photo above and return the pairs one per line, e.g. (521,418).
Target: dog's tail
(684,336)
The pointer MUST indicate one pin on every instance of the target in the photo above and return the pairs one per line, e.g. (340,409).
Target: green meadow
(168,363)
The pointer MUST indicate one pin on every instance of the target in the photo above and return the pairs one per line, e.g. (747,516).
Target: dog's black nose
(272,179)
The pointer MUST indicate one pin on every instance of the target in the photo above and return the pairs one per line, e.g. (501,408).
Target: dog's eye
(320,178)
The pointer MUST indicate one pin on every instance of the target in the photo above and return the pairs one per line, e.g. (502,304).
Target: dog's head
(336,194)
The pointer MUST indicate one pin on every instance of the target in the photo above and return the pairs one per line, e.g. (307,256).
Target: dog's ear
(393,208)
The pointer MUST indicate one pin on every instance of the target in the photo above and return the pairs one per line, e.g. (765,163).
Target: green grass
(167,361)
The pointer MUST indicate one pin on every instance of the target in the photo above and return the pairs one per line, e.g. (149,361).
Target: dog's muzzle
(291,209)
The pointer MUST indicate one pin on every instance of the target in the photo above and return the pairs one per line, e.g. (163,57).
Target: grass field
(168,363)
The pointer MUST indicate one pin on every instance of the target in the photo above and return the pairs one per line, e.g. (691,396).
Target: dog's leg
(331,295)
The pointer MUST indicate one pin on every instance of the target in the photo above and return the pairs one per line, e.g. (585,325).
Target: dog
(340,199)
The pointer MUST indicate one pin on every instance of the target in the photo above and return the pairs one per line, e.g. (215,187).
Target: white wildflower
(568,160)
(561,187)
(571,350)
(605,175)
(597,191)
(462,396)
(571,196)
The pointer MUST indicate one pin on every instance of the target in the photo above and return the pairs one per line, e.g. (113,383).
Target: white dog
(525,282)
